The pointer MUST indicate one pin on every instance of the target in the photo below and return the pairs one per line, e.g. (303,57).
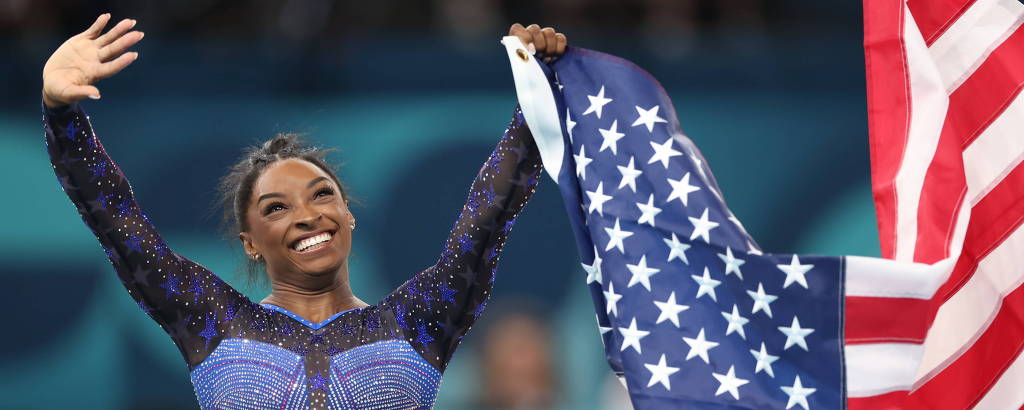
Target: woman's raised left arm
(438,306)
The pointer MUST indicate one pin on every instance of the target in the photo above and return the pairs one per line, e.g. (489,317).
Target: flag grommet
(523,55)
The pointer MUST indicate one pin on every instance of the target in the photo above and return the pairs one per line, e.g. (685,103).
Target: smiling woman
(258,169)
(311,343)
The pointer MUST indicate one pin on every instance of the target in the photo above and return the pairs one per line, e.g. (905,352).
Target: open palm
(86,58)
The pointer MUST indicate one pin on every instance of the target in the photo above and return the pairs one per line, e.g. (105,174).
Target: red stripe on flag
(933,17)
(972,108)
(996,216)
(875,320)
(888,401)
(966,380)
(991,88)
(888,96)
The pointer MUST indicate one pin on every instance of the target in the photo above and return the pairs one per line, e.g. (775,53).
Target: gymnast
(311,343)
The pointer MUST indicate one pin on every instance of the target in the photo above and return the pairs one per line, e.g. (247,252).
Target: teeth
(308,242)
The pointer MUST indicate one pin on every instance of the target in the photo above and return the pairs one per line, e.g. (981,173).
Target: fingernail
(95,97)
(141,35)
(532,48)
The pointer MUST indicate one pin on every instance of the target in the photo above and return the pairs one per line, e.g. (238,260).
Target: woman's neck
(314,305)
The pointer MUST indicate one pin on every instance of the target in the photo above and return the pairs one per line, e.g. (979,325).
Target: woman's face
(298,221)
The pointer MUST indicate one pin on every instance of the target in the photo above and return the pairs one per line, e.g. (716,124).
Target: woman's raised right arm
(72,70)
(192,304)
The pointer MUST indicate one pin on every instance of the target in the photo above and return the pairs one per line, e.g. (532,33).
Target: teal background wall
(779,114)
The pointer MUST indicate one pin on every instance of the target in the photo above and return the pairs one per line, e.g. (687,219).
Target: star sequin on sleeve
(171,286)
(196,289)
(210,331)
(318,382)
(134,243)
(466,242)
(422,336)
(447,293)
(98,170)
(71,132)
(124,208)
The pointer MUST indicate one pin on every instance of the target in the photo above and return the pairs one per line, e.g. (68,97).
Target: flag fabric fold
(946,115)
(692,314)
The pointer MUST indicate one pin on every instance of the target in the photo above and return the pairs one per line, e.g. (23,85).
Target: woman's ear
(247,245)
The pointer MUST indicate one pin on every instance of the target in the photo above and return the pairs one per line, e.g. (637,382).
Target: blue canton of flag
(692,314)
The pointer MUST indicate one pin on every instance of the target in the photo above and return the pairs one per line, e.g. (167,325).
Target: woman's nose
(307,217)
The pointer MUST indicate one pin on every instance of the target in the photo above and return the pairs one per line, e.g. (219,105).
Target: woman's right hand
(90,56)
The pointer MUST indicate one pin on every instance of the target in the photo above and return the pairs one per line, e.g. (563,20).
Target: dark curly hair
(235,188)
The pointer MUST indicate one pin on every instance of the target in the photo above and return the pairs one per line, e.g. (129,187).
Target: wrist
(52,103)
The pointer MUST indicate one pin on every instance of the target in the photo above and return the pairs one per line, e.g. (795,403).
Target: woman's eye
(273,208)
(324,192)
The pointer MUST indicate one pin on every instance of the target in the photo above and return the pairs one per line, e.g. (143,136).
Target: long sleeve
(439,305)
(194,306)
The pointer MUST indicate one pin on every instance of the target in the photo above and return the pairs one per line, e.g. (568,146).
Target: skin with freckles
(294,199)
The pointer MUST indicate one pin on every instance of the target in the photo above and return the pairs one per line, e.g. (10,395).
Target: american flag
(938,323)
(946,117)
(691,312)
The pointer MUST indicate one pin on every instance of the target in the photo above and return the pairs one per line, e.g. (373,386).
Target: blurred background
(414,94)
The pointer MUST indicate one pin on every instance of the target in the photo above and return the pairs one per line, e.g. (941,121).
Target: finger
(549,40)
(122,27)
(108,69)
(77,92)
(561,43)
(516,29)
(97,26)
(120,45)
(537,38)
(519,31)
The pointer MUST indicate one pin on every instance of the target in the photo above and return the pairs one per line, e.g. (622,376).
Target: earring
(256,257)
(353,226)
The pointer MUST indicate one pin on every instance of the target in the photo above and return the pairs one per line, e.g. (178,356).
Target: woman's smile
(300,223)
(313,244)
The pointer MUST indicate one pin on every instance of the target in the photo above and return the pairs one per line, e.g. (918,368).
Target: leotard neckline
(304,321)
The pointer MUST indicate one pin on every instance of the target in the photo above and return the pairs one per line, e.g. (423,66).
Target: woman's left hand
(545,43)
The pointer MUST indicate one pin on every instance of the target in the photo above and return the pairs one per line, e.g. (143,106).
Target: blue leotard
(241,354)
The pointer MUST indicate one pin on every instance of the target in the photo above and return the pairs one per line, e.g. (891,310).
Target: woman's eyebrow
(314,181)
(270,195)
(280,195)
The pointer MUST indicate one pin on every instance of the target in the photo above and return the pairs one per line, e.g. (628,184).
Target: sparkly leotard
(246,355)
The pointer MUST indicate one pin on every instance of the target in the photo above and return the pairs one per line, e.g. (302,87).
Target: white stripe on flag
(928,102)
(966,315)
(995,152)
(879,368)
(970,40)
(876,277)
(993,155)
(1007,392)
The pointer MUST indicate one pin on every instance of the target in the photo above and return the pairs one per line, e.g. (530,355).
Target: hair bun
(281,143)
(235,189)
